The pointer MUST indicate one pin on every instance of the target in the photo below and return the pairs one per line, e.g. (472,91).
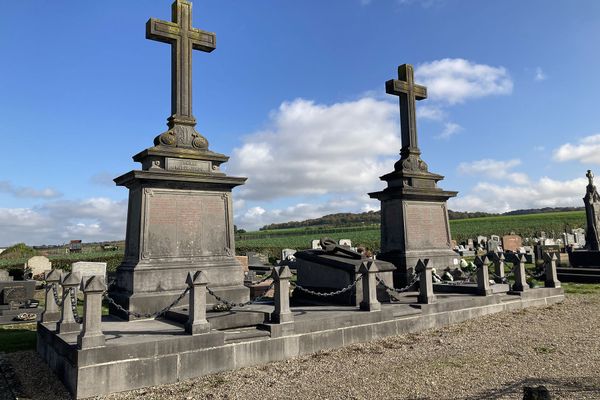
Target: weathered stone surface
(86,269)
(38,265)
(512,243)
(414,217)
(4,276)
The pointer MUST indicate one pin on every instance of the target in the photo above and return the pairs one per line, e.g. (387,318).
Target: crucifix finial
(408,92)
(183,38)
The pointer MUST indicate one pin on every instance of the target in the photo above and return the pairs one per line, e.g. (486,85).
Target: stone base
(585,259)
(132,360)
(579,275)
(7,316)
(405,262)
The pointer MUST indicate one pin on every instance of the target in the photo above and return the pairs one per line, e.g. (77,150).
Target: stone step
(578,271)
(222,320)
(579,278)
(244,334)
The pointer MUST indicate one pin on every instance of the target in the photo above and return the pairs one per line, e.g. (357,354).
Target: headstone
(454,243)
(4,276)
(579,234)
(180,214)
(592,213)
(414,213)
(314,244)
(38,265)
(494,244)
(345,242)
(286,253)
(549,242)
(87,269)
(512,243)
(470,245)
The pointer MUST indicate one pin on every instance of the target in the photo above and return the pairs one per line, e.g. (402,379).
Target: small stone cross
(405,88)
(183,38)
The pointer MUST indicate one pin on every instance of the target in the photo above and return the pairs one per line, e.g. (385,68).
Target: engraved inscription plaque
(185,224)
(14,293)
(185,165)
(426,226)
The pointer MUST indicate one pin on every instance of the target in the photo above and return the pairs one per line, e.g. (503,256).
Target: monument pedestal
(179,220)
(414,220)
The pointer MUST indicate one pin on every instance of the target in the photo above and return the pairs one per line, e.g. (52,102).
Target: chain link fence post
(369,271)
(91,333)
(51,307)
(67,321)
(550,269)
(520,284)
(424,269)
(483,276)
(282,313)
(197,322)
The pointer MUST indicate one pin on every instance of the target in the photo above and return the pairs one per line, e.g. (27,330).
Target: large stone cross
(183,38)
(408,92)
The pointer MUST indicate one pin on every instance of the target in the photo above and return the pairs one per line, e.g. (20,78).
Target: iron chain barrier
(57,299)
(73,298)
(398,290)
(228,305)
(330,294)
(147,315)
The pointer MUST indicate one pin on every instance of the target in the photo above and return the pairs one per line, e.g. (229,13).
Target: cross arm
(397,87)
(202,40)
(162,31)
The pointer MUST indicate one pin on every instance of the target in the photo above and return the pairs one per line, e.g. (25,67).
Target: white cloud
(539,75)
(431,112)
(55,222)
(314,149)
(24,191)
(587,151)
(494,169)
(455,80)
(546,192)
(450,129)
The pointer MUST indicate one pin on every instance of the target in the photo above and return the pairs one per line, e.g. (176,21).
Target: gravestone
(470,245)
(494,244)
(87,269)
(482,240)
(414,214)
(38,265)
(579,234)
(345,242)
(180,215)
(5,276)
(512,243)
(314,244)
(286,253)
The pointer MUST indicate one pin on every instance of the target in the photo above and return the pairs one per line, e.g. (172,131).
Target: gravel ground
(488,358)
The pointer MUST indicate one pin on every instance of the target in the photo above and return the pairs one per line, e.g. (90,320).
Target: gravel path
(491,357)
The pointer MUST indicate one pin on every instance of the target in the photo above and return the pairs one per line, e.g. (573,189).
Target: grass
(581,288)
(17,337)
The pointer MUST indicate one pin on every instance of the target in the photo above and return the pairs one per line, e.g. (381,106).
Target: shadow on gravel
(575,388)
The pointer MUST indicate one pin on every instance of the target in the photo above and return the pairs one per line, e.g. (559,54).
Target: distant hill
(374,217)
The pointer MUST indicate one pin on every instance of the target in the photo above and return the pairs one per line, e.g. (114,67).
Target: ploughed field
(529,225)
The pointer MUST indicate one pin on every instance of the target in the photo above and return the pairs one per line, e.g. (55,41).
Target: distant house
(75,246)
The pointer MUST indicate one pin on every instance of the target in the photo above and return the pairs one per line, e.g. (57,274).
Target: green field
(530,225)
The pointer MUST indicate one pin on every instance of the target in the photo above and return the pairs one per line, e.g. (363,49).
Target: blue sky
(294,93)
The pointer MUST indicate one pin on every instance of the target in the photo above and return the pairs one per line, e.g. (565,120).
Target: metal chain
(400,290)
(534,275)
(230,304)
(147,315)
(330,294)
(57,299)
(73,298)
(503,279)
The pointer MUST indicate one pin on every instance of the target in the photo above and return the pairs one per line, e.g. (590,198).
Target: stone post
(483,276)
(67,323)
(51,311)
(369,271)
(91,333)
(550,266)
(425,271)
(499,265)
(282,313)
(197,322)
(520,284)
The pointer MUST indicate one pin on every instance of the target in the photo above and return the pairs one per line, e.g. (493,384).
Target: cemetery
(184,303)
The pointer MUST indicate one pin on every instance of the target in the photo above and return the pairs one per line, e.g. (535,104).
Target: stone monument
(589,257)
(414,216)
(180,208)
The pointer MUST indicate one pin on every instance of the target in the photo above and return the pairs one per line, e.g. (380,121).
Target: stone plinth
(179,220)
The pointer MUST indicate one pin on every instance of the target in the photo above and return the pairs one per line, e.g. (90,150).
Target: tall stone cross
(183,38)
(405,88)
